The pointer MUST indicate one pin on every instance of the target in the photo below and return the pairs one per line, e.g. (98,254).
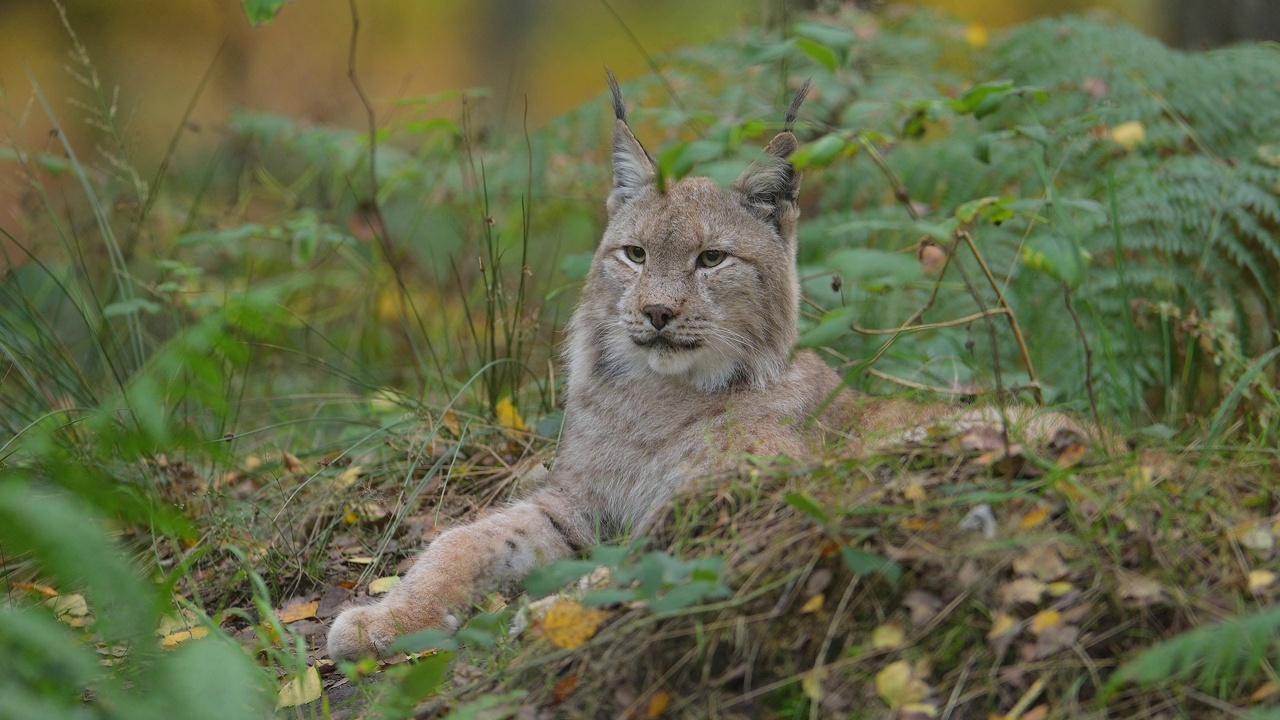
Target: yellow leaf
(898,685)
(362,560)
(1002,625)
(569,625)
(1129,135)
(1260,580)
(814,604)
(915,493)
(300,690)
(811,685)
(174,639)
(509,416)
(351,519)
(889,635)
(1025,590)
(658,705)
(348,477)
(1035,518)
(383,584)
(1060,588)
(1044,620)
(293,612)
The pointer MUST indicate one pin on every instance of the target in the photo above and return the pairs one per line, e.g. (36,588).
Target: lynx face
(696,284)
(693,278)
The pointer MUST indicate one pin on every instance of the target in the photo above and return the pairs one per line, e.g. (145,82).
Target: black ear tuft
(633,167)
(619,107)
(794,110)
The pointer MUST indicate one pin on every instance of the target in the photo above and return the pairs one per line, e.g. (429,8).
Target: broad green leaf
(1057,257)
(875,270)
(819,53)
(865,563)
(822,151)
(807,505)
(131,307)
(833,325)
(262,11)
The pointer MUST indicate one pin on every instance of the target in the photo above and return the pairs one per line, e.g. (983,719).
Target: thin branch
(1013,319)
(1088,359)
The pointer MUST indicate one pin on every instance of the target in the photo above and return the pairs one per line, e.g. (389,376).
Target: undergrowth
(241,383)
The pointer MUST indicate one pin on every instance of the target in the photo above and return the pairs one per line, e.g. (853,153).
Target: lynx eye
(711,258)
(634,253)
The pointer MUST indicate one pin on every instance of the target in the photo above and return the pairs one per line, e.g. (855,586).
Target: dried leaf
(1260,580)
(1025,590)
(983,518)
(1058,589)
(293,464)
(1035,518)
(1129,135)
(383,584)
(1071,455)
(35,588)
(70,608)
(174,639)
(1138,589)
(362,560)
(1256,536)
(300,690)
(814,604)
(1265,692)
(348,477)
(922,606)
(658,705)
(811,685)
(915,493)
(889,635)
(293,612)
(1002,625)
(564,689)
(568,624)
(898,686)
(1041,562)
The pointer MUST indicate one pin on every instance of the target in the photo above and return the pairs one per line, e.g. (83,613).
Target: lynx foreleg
(494,552)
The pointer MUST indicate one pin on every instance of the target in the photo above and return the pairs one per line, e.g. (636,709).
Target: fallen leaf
(922,606)
(564,689)
(296,611)
(68,607)
(1256,536)
(814,604)
(1260,580)
(362,560)
(508,416)
(568,624)
(1039,712)
(1138,589)
(983,518)
(383,584)
(1044,620)
(35,588)
(1035,518)
(348,477)
(300,690)
(1129,135)
(915,493)
(1025,590)
(1071,456)
(1002,624)
(658,705)
(173,640)
(889,635)
(1265,691)
(293,464)
(1055,639)
(898,686)
(1058,589)
(811,685)
(1041,562)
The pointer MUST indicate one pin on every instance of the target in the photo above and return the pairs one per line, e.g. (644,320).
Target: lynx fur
(680,354)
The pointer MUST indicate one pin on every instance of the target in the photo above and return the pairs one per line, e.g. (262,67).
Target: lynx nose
(659,315)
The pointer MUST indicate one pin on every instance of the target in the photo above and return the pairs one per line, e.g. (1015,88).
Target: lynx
(680,354)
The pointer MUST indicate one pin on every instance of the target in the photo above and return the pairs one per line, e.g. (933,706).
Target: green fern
(1218,657)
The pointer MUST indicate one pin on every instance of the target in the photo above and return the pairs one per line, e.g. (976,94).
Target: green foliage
(662,582)
(263,11)
(1219,657)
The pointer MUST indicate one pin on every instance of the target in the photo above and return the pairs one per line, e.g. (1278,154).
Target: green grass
(221,387)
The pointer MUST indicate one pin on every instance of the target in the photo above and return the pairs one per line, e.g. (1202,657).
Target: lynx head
(693,283)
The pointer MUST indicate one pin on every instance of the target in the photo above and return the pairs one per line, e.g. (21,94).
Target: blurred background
(546,52)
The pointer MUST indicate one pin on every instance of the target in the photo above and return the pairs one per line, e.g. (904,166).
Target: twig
(1013,320)
(931,326)
(653,66)
(1088,360)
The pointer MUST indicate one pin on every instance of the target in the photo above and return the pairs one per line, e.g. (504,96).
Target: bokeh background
(546,51)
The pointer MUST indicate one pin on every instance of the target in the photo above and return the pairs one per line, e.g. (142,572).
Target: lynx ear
(633,167)
(770,188)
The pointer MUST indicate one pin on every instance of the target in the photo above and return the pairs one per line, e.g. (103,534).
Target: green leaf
(876,270)
(544,581)
(865,563)
(822,151)
(576,266)
(262,11)
(833,325)
(976,96)
(416,684)
(1057,257)
(836,38)
(807,505)
(424,641)
(131,307)
(819,53)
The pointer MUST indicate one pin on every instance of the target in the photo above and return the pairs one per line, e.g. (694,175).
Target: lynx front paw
(361,631)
